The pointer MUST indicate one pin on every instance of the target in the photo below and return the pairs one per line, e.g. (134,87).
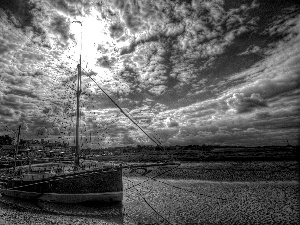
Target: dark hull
(96,185)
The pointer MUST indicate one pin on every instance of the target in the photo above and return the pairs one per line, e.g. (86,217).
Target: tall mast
(78,93)
(90,142)
(78,113)
(17,146)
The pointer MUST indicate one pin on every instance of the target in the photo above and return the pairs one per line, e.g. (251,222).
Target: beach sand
(247,199)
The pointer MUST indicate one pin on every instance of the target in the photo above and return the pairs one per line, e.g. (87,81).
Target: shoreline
(194,181)
(223,172)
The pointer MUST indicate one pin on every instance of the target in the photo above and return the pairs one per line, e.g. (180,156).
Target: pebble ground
(244,194)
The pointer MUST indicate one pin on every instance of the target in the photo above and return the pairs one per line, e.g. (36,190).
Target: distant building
(7,150)
(36,147)
(72,149)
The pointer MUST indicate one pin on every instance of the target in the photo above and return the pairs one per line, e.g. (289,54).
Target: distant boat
(80,181)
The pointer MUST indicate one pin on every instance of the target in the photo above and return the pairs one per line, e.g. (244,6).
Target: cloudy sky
(188,72)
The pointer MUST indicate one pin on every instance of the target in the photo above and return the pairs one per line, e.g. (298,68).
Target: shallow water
(173,201)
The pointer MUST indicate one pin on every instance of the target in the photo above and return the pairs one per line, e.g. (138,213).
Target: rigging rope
(151,178)
(67,176)
(183,189)
(153,208)
(157,142)
(148,203)
(152,139)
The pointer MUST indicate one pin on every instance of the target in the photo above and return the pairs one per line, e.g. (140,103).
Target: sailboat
(80,181)
(76,182)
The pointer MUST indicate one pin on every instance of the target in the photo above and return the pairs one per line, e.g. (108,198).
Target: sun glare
(94,34)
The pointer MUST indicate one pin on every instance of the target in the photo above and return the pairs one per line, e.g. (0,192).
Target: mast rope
(152,207)
(73,175)
(183,189)
(148,178)
(152,139)
(144,199)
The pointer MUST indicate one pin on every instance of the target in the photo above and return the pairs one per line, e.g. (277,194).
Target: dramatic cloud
(189,72)
(242,104)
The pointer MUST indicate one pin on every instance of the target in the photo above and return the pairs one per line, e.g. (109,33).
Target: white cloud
(155,50)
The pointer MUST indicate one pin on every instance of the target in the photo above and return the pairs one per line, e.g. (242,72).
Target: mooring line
(149,178)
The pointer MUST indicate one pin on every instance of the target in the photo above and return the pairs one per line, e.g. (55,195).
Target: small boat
(60,182)
(81,181)
(75,181)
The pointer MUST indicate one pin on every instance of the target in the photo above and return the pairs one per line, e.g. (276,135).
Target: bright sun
(95,33)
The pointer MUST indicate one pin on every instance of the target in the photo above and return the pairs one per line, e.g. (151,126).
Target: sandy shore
(224,171)
(174,199)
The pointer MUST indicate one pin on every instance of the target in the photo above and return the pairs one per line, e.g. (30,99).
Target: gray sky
(189,72)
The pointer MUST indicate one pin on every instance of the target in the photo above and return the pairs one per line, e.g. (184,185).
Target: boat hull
(106,197)
(95,185)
